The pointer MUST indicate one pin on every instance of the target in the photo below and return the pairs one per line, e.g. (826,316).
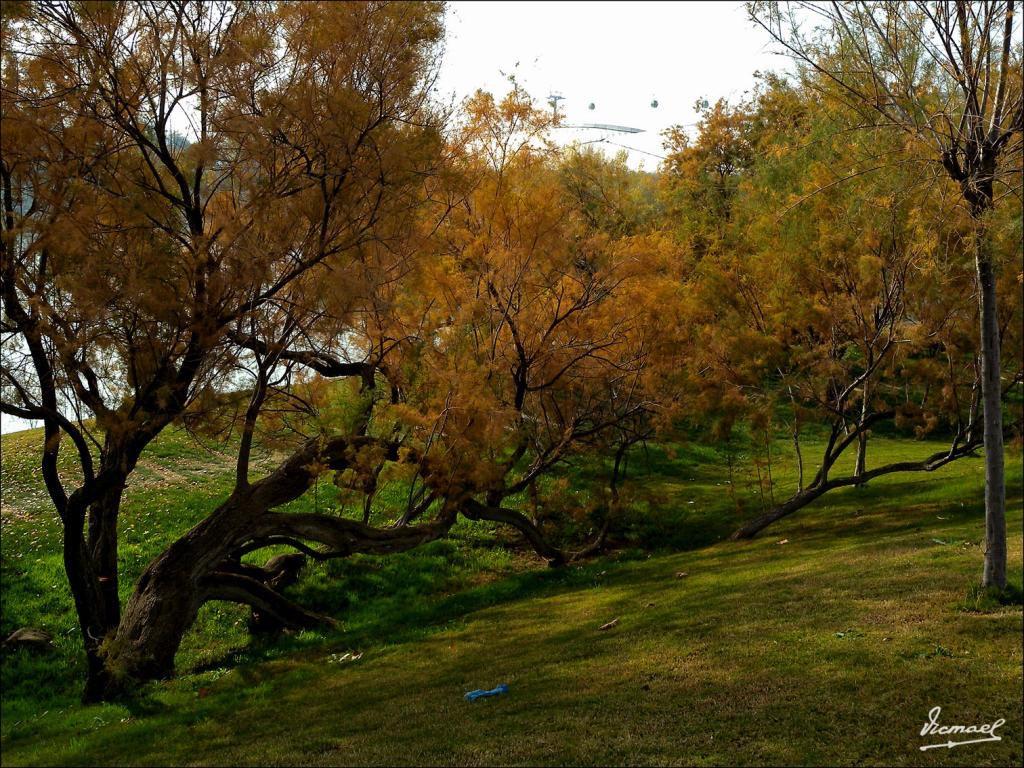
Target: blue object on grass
(481,693)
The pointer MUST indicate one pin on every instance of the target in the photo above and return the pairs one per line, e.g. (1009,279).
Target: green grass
(830,648)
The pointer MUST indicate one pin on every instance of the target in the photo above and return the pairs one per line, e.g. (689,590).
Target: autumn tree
(175,177)
(948,76)
(611,196)
(836,305)
(251,218)
(543,311)
(701,176)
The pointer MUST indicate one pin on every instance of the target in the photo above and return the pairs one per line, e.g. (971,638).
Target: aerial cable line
(634,149)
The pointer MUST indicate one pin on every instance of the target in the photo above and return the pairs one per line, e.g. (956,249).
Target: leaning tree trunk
(822,485)
(196,568)
(994,573)
(799,501)
(167,599)
(174,586)
(205,564)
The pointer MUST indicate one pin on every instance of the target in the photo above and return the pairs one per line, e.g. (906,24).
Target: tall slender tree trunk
(994,573)
(799,462)
(862,455)
(862,438)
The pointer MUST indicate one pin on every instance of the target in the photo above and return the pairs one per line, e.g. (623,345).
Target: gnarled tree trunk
(205,564)
(169,594)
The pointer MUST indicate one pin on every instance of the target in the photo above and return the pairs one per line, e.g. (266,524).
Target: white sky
(618,55)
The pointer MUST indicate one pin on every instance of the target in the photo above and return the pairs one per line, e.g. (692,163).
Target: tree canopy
(254,222)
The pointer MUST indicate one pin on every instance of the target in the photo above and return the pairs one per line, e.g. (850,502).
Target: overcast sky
(620,56)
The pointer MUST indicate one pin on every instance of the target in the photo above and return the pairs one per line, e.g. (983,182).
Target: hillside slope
(826,641)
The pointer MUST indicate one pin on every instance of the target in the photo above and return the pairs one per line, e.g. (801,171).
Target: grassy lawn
(827,640)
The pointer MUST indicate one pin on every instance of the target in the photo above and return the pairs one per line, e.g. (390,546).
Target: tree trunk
(799,501)
(204,564)
(102,548)
(170,592)
(799,462)
(157,616)
(118,461)
(862,437)
(994,573)
(88,597)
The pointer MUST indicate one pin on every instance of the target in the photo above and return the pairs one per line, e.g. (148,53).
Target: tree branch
(237,588)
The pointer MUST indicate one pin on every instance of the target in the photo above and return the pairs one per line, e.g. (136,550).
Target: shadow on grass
(813,639)
(411,596)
